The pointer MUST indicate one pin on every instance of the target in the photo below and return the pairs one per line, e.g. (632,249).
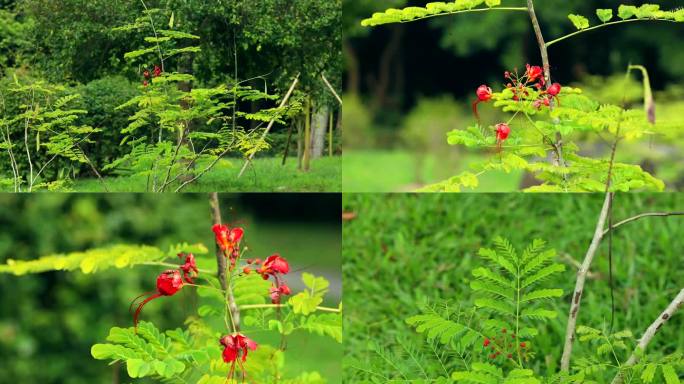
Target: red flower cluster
(274,266)
(146,74)
(228,240)
(533,77)
(503,346)
(168,283)
(520,86)
(189,268)
(235,349)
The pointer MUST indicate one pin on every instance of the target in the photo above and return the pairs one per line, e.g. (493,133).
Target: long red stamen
(130,307)
(140,307)
(477,115)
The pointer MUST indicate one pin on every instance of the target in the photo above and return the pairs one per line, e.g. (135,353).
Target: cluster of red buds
(274,266)
(228,240)
(235,349)
(533,77)
(504,347)
(520,86)
(156,72)
(189,268)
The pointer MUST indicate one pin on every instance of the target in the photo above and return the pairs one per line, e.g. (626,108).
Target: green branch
(550,43)
(385,18)
(265,306)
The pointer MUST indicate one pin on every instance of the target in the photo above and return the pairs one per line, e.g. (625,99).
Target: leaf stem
(552,42)
(523,9)
(265,306)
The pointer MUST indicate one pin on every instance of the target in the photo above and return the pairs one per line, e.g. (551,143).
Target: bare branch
(270,124)
(325,80)
(579,284)
(650,333)
(641,216)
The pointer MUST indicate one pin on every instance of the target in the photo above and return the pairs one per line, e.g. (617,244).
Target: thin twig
(325,80)
(266,306)
(550,43)
(641,216)
(270,124)
(675,304)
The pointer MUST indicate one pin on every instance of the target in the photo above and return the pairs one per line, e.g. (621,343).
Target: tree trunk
(319,129)
(300,144)
(306,157)
(353,76)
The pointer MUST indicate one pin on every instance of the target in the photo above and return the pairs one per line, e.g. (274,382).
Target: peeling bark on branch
(650,332)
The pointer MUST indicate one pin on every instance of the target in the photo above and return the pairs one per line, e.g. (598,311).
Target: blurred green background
(49,321)
(407,85)
(404,250)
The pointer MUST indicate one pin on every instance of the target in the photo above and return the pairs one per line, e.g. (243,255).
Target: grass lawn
(403,251)
(265,175)
(394,171)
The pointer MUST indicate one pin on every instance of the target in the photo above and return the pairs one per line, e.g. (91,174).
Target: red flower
(276,292)
(146,74)
(554,89)
(228,239)
(157,71)
(145,83)
(189,268)
(502,132)
(168,283)
(486,343)
(534,72)
(234,344)
(484,93)
(274,265)
(523,345)
(246,270)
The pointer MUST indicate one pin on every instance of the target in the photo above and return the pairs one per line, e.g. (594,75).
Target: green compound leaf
(626,11)
(407,14)
(579,21)
(604,14)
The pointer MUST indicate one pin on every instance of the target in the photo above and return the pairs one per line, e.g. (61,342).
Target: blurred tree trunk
(300,143)
(319,129)
(352,62)
(306,156)
(380,86)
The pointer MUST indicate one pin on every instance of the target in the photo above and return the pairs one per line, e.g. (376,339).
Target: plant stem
(641,216)
(677,303)
(231,308)
(522,9)
(270,124)
(550,43)
(546,65)
(579,284)
(266,306)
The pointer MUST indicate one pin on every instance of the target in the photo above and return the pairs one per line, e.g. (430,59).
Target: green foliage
(507,297)
(94,260)
(163,132)
(378,346)
(46,127)
(610,350)
(149,352)
(431,9)
(630,12)
(508,287)
(529,147)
